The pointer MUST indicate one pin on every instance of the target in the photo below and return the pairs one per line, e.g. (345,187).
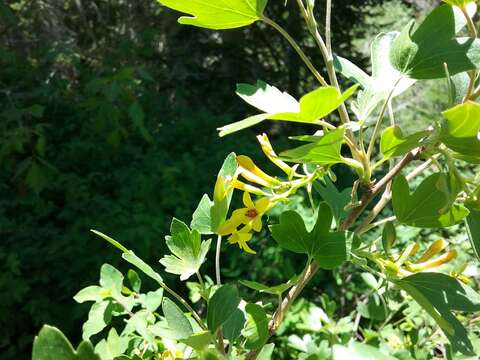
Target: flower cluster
(244,221)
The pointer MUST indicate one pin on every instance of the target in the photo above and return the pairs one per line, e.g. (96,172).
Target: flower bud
(437,247)
(253,173)
(445,258)
(410,251)
(270,153)
(389,236)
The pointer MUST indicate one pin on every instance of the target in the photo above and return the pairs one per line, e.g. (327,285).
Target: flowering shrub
(418,275)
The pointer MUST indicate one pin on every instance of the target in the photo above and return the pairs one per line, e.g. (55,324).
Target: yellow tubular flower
(253,173)
(250,215)
(437,247)
(270,153)
(445,258)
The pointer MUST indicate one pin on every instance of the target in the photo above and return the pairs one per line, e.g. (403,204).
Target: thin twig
(297,48)
(217,260)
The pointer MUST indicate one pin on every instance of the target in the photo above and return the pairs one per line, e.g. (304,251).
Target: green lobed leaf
(99,317)
(326,151)
(189,252)
(176,319)
(393,143)
(221,306)
(267,98)
(420,55)
(385,79)
(218,14)
(312,107)
(256,330)
(337,200)
(317,104)
(429,206)
(460,130)
(113,346)
(51,344)
(441,294)
(90,293)
(329,249)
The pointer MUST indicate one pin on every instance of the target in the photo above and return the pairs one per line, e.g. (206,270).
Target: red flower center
(252,213)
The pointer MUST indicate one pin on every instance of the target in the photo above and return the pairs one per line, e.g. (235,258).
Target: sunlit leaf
(218,14)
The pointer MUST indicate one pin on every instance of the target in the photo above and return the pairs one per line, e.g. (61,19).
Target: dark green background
(108,111)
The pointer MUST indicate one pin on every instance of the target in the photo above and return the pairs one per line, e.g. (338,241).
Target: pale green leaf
(201,218)
(267,98)
(460,131)
(326,151)
(51,344)
(90,293)
(357,351)
(393,143)
(189,252)
(176,319)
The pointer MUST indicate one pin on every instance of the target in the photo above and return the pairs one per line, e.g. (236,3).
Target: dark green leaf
(221,306)
(439,295)
(336,199)
(429,206)
(420,55)
(232,328)
(329,249)
(473,229)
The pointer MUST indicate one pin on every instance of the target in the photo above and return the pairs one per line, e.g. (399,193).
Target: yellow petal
(257,224)
(246,248)
(228,227)
(240,216)
(247,200)
(254,172)
(262,205)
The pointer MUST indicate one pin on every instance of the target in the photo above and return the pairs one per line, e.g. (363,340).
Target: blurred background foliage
(108,111)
